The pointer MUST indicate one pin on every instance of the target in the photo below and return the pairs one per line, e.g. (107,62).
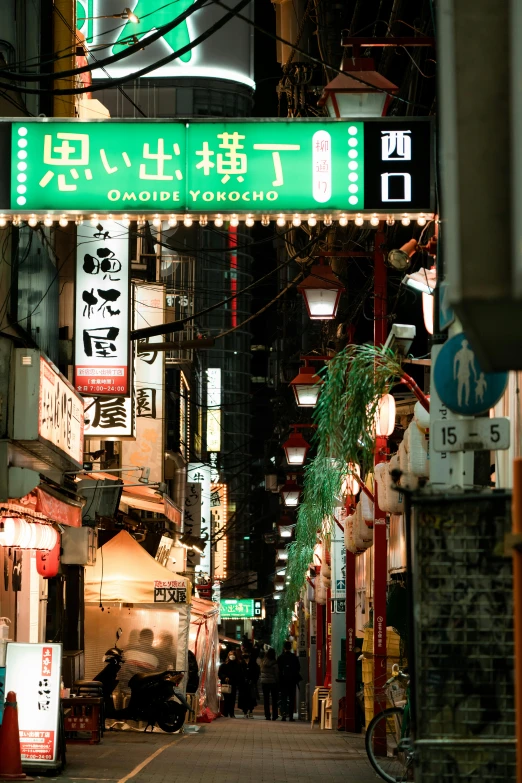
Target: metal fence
(464,679)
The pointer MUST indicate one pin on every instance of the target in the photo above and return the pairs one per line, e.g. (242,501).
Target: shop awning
(45,504)
(143,498)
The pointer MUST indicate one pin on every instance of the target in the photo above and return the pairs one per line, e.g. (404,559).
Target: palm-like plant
(354,382)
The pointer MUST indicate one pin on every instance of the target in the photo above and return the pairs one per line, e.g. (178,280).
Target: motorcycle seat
(88,686)
(141,680)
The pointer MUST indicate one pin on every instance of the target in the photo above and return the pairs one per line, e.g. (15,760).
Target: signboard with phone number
(33,672)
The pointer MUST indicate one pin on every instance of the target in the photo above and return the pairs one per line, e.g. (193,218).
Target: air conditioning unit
(79,545)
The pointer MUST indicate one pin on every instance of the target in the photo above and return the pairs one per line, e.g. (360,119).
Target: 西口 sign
(234,166)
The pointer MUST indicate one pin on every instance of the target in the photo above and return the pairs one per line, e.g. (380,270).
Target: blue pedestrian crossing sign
(460,381)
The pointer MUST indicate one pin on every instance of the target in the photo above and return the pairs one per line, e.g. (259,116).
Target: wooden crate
(82,720)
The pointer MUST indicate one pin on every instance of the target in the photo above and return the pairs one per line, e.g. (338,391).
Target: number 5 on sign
(470,435)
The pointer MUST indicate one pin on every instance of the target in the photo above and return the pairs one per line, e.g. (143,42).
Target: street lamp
(291,492)
(296,448)
(195,543)
(306,386)
(364,96)
(424,280)
(321,291)
(286,527)
(125,14)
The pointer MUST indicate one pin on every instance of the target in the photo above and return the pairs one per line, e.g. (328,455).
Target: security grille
(464,680)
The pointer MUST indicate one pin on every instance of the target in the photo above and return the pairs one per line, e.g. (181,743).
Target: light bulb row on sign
(281,220)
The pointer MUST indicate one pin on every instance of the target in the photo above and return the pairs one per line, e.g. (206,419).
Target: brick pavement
(225,751)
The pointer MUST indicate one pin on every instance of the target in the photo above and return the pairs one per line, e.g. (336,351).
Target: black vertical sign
(398,166)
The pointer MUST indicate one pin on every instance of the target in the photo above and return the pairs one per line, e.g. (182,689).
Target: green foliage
(354,382)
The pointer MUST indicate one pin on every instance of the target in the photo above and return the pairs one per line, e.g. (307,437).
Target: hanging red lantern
(48,563)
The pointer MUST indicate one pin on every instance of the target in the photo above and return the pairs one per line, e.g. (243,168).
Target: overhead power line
(136,74)
(317,60)
(177,326)
(150,39)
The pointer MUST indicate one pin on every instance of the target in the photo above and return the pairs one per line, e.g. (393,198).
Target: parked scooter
(155,698)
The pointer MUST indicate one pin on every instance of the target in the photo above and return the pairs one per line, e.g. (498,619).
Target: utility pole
(380,538)
(64,35)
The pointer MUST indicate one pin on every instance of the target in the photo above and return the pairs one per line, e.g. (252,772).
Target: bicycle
(396,765)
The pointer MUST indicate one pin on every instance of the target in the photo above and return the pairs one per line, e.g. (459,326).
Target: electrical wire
(255,315)
(144,71)
(120,88)
(318,61)
(150,39)
(177,325)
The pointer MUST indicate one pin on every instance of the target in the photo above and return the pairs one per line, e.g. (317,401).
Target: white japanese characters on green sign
(232,166)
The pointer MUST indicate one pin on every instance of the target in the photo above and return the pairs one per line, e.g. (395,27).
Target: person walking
(230,676)
(247,699)
(289,677)
(269,683)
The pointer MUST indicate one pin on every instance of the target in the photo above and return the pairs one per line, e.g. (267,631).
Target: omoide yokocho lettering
(196,196)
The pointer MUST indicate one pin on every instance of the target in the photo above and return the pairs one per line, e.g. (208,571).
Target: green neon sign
(229,166)
(237,608)
(151,18)
(233,166)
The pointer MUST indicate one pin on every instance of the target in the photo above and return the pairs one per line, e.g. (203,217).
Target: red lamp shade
(48,563)
(321,291)
(364,96)
(306,386)
(291,492)
(296,449)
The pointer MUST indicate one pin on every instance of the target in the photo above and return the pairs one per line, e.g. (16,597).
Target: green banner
(234,166)
(237,608)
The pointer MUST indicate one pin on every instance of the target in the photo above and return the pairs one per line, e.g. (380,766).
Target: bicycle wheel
(393,764)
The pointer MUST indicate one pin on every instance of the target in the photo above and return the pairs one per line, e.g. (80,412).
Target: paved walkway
(226,751)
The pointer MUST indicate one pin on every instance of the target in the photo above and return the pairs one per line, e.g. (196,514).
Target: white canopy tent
(127,588)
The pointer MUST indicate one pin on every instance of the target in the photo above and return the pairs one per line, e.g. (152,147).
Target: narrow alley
(224,752)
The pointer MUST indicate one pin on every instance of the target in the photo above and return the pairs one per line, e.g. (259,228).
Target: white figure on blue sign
(480,387)
(463,366)
(461,383)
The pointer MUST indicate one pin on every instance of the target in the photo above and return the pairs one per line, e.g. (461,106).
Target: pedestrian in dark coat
(269,683)
(289,677)
(231,676)
(248,689)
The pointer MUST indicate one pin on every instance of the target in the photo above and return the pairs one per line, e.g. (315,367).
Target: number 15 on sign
(470,435)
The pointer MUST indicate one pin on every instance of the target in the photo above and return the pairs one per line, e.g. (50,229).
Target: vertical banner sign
(192,520)
(109,417)
(33,672)
(101,324)
(200,474)
(219,514)
(149,370)
(60,412)
(338,574)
